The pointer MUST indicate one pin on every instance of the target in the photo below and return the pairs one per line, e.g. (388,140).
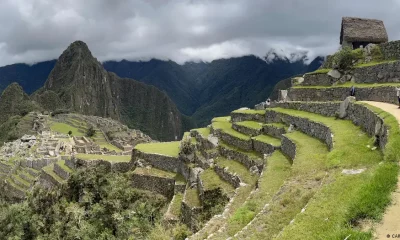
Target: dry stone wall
(240,117)
(328,109)
(241,157)
(379,94)
(273,131)
(237,142)
(263,147)
(318,79)
(166,163)
(309,127)
(163,186)
(228,176)
(391,50)
(288,147)
(61,172)
(190,216)
(246,130)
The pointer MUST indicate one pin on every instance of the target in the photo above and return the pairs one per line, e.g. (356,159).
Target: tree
(90,132)
(70,132)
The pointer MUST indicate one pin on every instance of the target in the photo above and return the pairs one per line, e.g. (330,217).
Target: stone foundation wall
(380,73)
(391,50)
(14,194)
(288,147)
(273,131)
(309,127)
(166,163)
(163,186)
(328,109)
(38,164)
(237,142)
(240,117)
(190,216)
(230,177)
(241,157)
(61,172)
(246,130)
(262,147)
(114,167)
(319,79)
(369,121)
(47,181)
(70,163)
(379,94)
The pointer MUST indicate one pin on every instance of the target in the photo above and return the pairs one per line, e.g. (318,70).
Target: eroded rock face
(84,86)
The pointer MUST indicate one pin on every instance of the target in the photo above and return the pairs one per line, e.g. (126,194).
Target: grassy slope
(164,148)
(346,198)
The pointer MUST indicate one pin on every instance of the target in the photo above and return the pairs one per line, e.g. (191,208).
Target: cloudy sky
(180,30)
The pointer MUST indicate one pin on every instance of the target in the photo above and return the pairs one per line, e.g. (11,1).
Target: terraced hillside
(293,171)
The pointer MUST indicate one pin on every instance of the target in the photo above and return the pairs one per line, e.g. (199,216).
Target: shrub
(70,132)
(376,53)
(345,58)
(90,132)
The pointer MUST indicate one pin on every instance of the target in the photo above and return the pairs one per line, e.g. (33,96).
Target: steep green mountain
(205,90)
(30,77)
(14,101)
(15,105)
(80,84)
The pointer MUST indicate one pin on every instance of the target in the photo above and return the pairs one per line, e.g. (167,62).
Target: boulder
(334,73)
(344,105)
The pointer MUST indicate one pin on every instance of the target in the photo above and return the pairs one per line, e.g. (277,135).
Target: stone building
(357,32)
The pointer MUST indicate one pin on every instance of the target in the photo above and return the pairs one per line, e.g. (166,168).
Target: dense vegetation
(94,204)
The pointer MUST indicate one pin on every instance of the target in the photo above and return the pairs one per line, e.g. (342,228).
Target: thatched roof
(362,30)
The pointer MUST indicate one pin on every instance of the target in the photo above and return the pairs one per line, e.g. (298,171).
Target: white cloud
(36,30)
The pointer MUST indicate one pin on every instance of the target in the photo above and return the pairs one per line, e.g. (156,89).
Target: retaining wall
(228,176)
(163,186)
(241,157)
(263,147)
(246,130)
(379,94)
(240,117)
(288,147)
(237,142)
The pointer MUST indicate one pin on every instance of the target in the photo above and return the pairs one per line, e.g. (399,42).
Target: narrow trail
(390,224)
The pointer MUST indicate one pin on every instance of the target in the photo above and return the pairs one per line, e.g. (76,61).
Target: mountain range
(151,95)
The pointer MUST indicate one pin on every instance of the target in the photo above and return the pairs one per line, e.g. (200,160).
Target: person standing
(352,91)
(398,94)
(268,102)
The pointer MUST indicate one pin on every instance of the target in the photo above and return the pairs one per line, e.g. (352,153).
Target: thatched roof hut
(361,31)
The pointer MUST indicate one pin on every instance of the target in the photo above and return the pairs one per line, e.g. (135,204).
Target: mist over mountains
(201,90)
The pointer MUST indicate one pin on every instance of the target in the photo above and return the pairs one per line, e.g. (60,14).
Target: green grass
(307,171)
(19,179)
(250,111)
(274,175)
(203,131)
(319,71)
(193,140)
(226,127)
(179,179)
(238,168)
(154,172)
(65,128)
(268,139)
(111,158)
(250,124)
(277,125)
(192,197)
(252,154)
(109,146)
(211,181)
(221,119)
(176,205)
(349,84)
(61,163)
(164,148)
(344,154)
(373,63)
(49,170)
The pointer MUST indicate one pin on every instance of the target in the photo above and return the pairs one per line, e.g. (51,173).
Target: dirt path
(389,227)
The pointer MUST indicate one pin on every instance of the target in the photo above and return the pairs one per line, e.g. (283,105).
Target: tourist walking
(268,102)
